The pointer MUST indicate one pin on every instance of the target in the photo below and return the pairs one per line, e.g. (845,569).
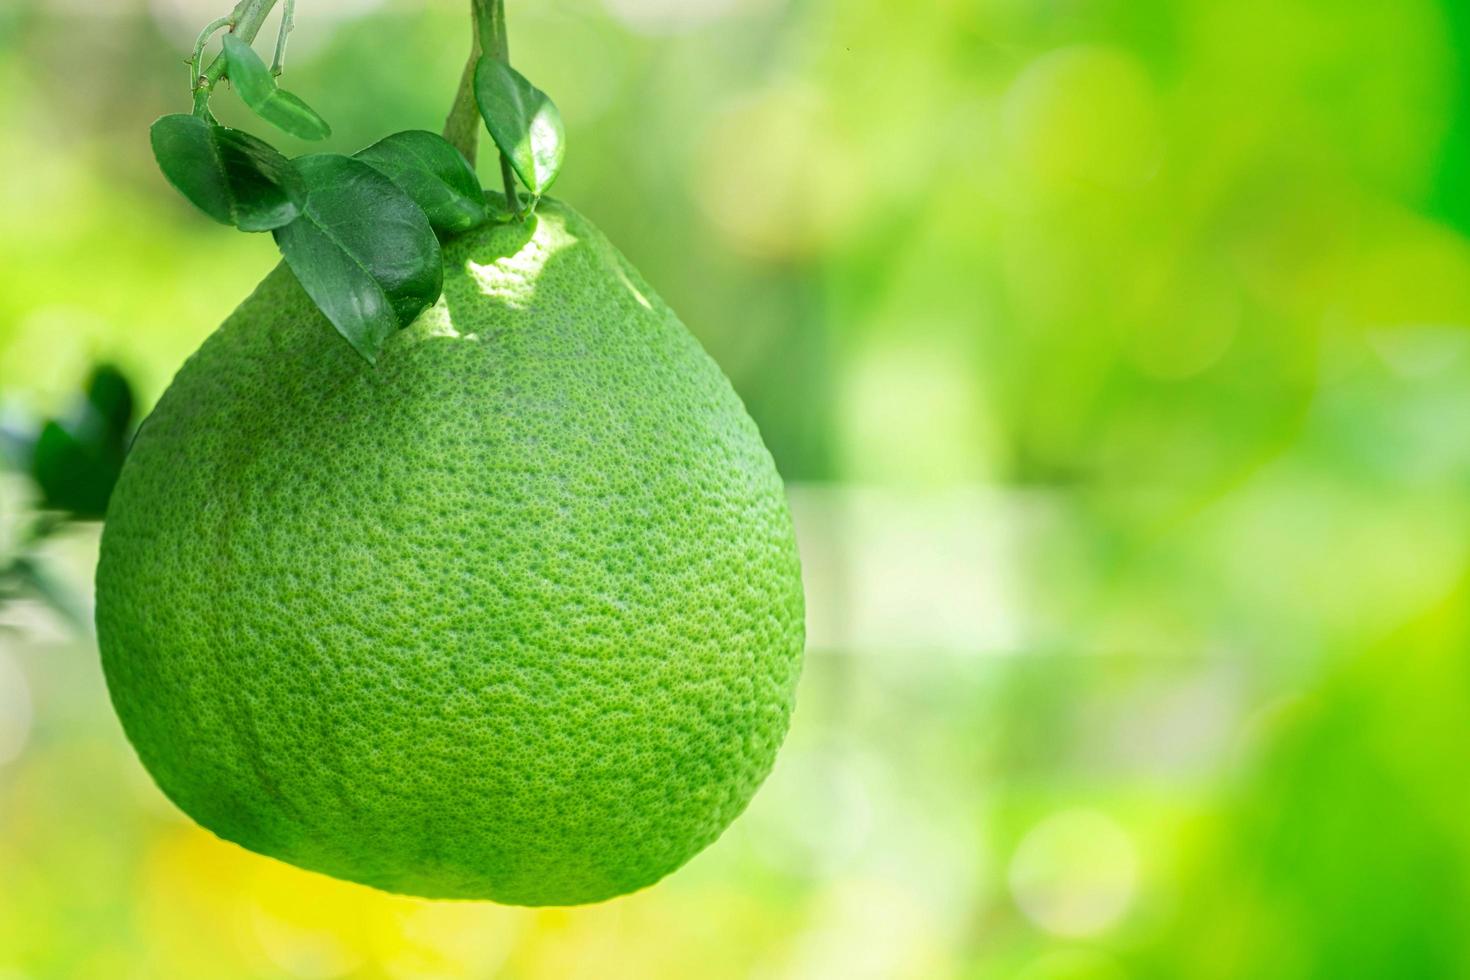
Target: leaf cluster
(362,232)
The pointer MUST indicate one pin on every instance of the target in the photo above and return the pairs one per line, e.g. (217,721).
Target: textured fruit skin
(516,614)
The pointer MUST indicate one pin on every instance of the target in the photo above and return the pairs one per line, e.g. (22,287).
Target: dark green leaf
(76,461)
(258,89)
(111,397)
(75,473)
(363,251)
(524,123)
(429,169)
(231,176)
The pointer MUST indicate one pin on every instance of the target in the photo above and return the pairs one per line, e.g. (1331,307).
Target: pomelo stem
(245,20)
(462,128)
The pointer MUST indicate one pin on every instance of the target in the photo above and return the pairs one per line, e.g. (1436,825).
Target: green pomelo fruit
(516,614)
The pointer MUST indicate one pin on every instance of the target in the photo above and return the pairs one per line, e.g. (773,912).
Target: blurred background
(1117,354)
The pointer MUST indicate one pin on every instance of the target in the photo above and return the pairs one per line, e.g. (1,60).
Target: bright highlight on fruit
(515,614)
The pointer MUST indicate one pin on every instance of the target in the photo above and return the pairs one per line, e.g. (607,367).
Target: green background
(1116,355)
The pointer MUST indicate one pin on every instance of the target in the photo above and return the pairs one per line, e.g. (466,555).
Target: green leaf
(231,176)
(523,121)
(429,169)
(75,474)
(110,397)
(76,460)
(363,251)
(258,89)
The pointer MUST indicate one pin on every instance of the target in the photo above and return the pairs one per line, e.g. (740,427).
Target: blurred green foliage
(76,460)
(1117,353)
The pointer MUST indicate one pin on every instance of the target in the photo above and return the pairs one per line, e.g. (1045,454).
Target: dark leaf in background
(363,251)
(111,397)
(523,121)
(429,169)
(231,176)
(258,90)
(76,460)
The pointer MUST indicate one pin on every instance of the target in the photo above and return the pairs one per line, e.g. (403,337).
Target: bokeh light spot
(1075,874)
(1083,116)
(912,414)
(775,177)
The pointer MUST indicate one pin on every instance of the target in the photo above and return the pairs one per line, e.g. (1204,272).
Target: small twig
(247,19)
(196,63)
(288,24)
